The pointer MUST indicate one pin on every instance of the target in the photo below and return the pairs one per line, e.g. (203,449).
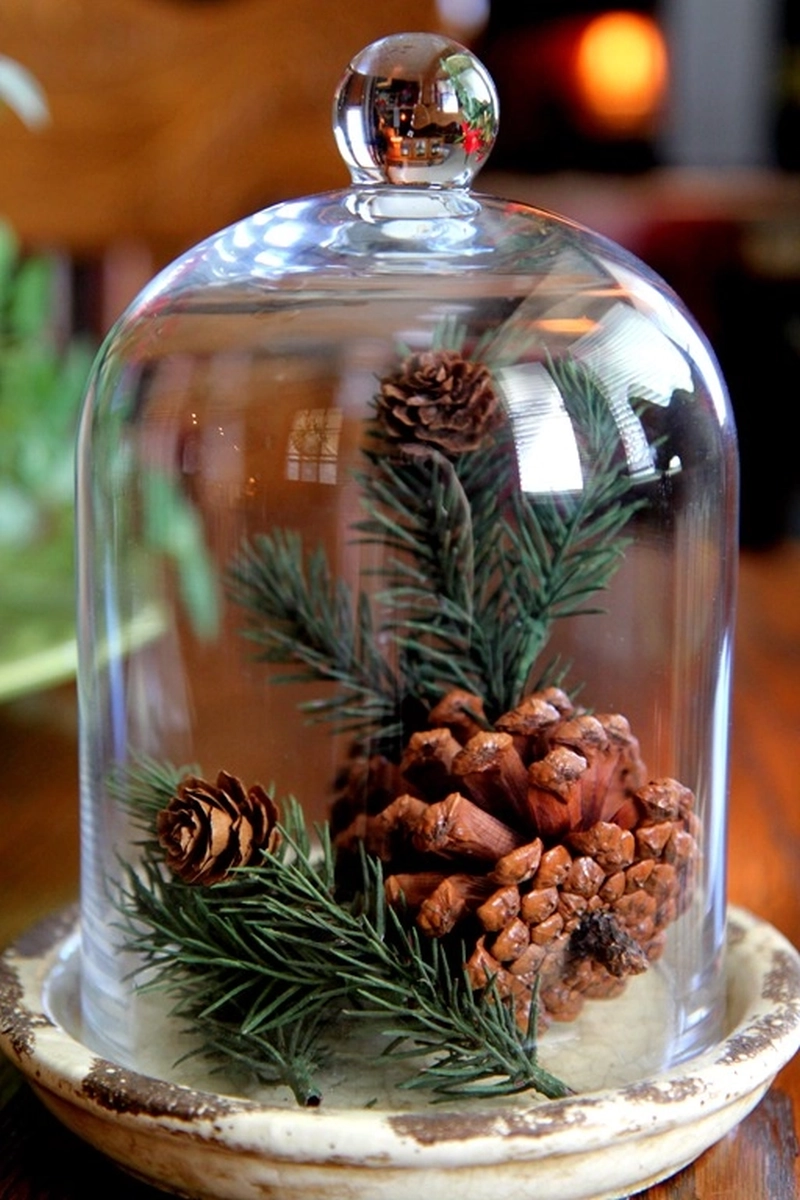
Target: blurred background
(671,125)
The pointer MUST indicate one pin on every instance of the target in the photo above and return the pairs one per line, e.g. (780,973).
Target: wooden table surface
(39,871)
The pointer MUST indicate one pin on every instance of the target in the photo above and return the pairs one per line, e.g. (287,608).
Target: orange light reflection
(567,325)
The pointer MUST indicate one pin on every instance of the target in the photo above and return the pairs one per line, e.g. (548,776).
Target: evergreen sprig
(560,550)
(476,572)
(267,968)
(301,616)
(143,787)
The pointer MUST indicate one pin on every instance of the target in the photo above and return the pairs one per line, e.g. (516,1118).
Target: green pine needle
(265,970)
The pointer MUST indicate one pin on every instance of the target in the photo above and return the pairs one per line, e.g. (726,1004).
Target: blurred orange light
(566,325)
(621,70)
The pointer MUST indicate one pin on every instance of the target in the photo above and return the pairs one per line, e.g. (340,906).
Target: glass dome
(407,532)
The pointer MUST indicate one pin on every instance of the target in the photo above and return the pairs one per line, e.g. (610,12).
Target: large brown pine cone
(542,841)
(439,399)
(209,829)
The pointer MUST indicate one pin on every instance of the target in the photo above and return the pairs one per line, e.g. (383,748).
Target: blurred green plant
(41,384)
(42,378)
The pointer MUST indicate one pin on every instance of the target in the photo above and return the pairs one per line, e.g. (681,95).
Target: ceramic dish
(598,1146)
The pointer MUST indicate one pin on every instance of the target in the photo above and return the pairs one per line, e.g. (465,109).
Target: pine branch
(439,517)
(299,615)
(417,507)
(526,560)
(474,575)
(477,1046)
(262,968)
(555,552)
(144,786)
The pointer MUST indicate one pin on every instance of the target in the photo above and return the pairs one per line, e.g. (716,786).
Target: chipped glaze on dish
(207,1145)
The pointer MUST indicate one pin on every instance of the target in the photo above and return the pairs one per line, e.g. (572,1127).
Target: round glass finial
(415,109)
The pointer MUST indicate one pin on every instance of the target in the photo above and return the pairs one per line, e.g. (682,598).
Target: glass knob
(415,109)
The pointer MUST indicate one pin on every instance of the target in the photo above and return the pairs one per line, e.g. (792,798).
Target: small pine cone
(210,829)
(439,399)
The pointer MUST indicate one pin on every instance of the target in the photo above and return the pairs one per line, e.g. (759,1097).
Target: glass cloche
(407,528)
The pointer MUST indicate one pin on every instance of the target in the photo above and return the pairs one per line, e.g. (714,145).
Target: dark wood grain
(39,871)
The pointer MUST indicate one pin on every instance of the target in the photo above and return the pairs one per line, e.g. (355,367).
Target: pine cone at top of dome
(541,842)
(439,399)
(208,829)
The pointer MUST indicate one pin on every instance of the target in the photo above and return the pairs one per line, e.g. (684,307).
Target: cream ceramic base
(598,1146)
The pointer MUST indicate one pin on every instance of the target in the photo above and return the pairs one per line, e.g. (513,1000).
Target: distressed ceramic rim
(675,1115)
